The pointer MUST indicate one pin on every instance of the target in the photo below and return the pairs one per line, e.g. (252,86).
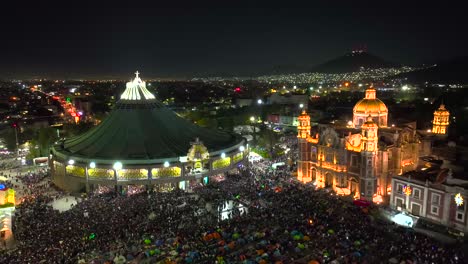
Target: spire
(136,90)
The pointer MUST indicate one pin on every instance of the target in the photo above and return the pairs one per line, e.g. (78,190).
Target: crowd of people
(285,222)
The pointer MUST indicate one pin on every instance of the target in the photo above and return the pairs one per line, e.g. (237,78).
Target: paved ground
(65,203)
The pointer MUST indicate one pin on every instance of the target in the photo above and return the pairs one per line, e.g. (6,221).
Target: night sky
(96,40)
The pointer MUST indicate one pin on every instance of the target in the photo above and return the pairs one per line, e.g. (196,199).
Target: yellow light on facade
(407,190)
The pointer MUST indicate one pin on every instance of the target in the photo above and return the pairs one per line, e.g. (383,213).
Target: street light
(15,126)
(118,165)
(92,165)
(252,119)
(259,101)
(71,162)
(301,106)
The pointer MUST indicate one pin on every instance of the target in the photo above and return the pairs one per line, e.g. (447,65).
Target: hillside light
(71,162)
(166,164)
(118,165)
(92,164)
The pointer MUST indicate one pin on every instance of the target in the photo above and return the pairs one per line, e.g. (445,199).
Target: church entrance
(328,180)
(314,174)
(353,185)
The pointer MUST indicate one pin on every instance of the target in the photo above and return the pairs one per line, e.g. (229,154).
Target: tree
(268,139)
(10,139)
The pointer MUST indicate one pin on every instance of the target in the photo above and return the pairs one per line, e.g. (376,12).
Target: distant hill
(352,62)
(452,71)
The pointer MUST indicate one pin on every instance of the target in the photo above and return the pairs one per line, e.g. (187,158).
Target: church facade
(361,158)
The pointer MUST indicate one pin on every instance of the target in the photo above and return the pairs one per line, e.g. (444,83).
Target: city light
(92,165)
(166,164)
(259,101)
(118,165)
(223,155)
(252,119)
(241,148)
(301,105)
(71,162)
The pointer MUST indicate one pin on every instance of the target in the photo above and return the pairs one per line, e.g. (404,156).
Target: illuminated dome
(370,106)
(143,142)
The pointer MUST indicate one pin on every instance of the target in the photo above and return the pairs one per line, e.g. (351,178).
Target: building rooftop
(141,127)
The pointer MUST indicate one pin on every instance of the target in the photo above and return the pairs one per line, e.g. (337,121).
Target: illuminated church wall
(358,160)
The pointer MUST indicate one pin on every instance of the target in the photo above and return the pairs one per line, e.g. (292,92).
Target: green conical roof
(143,128)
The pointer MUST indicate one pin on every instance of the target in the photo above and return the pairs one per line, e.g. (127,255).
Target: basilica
(361,158)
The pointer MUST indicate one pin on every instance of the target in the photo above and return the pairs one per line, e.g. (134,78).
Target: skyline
(95,40)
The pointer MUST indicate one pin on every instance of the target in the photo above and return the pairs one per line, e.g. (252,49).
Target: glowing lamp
(223,155)
(71,162)
(166,164)
(92,165)
(459,199)
(241,148)
(118,165)
(259,101)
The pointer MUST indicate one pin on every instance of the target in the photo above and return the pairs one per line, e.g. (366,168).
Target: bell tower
(369,148)
(304,159)
(441,120)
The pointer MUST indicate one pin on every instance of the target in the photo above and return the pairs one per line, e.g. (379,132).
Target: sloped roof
(144,129)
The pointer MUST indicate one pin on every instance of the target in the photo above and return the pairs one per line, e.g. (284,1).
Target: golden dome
(370,104)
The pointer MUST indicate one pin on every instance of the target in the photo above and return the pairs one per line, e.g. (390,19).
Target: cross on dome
(136,90)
